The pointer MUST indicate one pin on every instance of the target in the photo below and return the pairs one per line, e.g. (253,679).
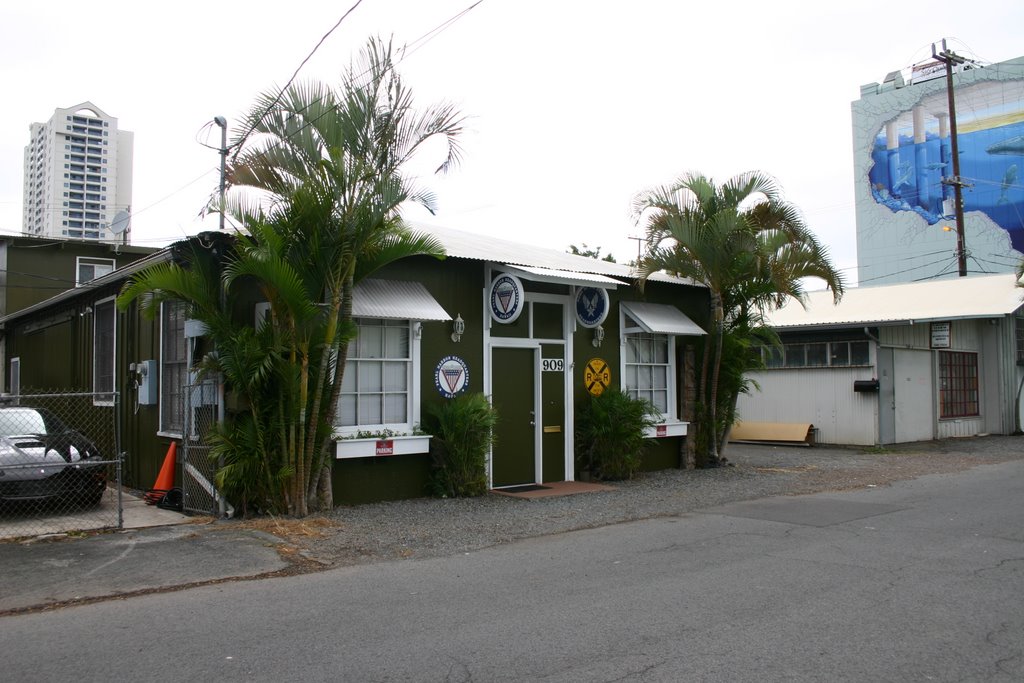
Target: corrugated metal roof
(461,244)
(397,300)
(660,318)
(566,277)
(978,296)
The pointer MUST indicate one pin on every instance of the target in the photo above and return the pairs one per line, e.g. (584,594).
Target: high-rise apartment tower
(78,176)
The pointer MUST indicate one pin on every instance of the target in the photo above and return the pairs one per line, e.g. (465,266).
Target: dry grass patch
(309,527)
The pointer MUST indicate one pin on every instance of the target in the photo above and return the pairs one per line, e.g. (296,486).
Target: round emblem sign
(591,306)
(506,298)
(451,376)
(597,376)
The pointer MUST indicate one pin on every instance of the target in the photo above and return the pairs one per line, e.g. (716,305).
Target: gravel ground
(426,527)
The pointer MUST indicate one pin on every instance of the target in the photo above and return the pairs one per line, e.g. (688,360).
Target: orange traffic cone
(164,480)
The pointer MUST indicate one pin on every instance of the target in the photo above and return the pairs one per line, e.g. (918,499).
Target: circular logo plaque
(506,298)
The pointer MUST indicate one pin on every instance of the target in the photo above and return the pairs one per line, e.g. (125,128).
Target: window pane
(348,379)
(348,410)
(370,378)
(859,353)
(630,351)
(840,353)
(817,354)
(631,376)
(371,341)
(395,407)
(396,342)
(660,349)
(659,377)
(644,377)
(795,356)
(660,400)
(773,357)
(395,377)
(369,409)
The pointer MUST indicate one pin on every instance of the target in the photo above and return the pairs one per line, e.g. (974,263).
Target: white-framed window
(173,367)
(649,367)
(91,268)
(379,389)
(104,351)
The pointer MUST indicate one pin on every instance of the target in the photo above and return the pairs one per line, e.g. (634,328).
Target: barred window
(958,384)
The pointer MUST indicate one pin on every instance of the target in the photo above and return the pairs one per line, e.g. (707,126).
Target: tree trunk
(689,455)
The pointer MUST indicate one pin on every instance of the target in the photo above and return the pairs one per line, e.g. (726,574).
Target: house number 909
(552,365)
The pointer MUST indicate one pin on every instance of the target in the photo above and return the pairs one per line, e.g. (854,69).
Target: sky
(572,106)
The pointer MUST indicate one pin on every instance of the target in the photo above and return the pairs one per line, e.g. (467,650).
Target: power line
(295,74)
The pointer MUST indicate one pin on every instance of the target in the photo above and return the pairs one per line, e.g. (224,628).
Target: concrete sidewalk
(156,549)
(44,572)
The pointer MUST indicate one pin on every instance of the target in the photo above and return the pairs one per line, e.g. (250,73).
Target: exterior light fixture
(458,328)
(598,337)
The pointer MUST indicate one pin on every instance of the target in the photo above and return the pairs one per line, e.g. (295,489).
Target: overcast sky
(574,105)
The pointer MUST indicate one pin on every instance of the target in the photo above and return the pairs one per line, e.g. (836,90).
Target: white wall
(822,396)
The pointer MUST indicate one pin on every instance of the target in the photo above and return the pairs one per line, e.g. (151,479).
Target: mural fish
(1009,179)
(1014,145)
(903,173)
(936,165)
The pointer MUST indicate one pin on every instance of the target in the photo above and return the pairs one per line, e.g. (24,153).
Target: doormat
(523,489)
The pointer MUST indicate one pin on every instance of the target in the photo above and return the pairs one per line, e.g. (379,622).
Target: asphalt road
(923,580)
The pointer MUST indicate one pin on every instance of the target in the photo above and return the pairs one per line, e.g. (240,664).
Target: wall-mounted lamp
(417,330)
(458,328)
(598,337)
(85,311)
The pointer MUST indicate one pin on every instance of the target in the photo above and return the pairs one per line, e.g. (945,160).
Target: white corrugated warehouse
(897,363)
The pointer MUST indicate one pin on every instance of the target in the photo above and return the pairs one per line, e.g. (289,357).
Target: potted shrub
(610,434)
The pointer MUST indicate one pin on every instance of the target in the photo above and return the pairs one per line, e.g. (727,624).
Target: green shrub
(610,434)
(463,431)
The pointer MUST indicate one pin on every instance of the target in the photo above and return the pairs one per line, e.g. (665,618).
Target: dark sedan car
(44,460)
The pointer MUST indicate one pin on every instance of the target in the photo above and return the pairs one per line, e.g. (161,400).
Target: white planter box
(666,429)
(373,448)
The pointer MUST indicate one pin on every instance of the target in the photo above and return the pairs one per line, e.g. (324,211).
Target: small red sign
(386,447)
(661,430)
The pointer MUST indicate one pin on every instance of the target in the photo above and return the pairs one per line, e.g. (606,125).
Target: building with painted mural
(902,148)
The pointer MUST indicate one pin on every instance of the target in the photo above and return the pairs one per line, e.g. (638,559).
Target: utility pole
(222,123)
(949,58)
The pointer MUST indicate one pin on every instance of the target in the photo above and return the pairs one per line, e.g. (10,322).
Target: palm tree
(332,163)
(749,248)
(318,185)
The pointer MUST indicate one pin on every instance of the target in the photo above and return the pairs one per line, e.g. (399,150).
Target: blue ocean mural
(908,176)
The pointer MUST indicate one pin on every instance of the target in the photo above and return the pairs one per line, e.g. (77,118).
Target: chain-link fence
(60,465)
(198,470)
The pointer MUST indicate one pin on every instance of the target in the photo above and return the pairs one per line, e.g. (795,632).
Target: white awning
(563,277)
(660,318)
(397,300)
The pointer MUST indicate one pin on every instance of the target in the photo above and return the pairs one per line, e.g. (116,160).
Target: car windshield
(15,421)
